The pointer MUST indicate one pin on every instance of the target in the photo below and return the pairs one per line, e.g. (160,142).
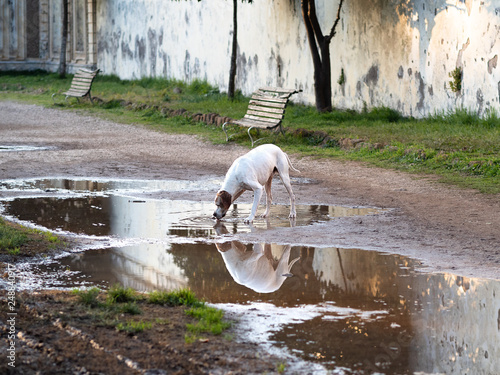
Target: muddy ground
(57,334)
(447,228)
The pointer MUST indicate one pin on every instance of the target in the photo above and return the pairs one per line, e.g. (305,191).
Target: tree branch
(334,27)
(314,22)
(305,4)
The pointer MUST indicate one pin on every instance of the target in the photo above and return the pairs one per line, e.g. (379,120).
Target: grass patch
(281,367)
(108,308)
(17,240)
(182,297)
(11,239)
(119,294)
(133,327)
(208,319)
(88,297)
(459,146)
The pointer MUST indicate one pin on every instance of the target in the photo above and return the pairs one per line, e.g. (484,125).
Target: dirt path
(448,229)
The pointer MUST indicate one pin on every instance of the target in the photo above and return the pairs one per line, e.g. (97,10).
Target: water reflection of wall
(455,321)
(135,218)
(457,325)
(147,267)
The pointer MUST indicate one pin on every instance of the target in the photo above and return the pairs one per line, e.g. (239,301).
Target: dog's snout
(219,213)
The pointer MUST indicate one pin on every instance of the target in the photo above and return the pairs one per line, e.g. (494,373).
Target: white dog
(254,171)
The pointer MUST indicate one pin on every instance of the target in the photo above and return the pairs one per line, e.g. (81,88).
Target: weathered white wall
(183,40)
(399,54)
(395,53)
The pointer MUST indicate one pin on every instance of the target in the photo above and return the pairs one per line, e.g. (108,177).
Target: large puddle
(341,310)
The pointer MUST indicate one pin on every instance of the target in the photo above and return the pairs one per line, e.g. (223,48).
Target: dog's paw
(248,220)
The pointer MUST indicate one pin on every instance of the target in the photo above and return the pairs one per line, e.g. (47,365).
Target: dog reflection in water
(256,269)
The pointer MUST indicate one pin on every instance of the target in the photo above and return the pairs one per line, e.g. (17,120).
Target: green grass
(133,326)
(459,146)
(119,294)
(281,367)
(11,239)
(49,237)
(19,240)
(108,307)
(88,297)
(182,297)
(208,319)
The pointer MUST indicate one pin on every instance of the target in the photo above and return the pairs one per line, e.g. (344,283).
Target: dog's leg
(257,194)
(269,197)
(286,181)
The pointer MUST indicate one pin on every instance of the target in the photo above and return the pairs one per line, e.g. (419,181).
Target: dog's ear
(225,199)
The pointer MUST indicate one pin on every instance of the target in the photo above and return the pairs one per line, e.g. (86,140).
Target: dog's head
(223,202)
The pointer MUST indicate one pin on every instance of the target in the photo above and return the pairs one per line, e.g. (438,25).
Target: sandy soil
(449,229)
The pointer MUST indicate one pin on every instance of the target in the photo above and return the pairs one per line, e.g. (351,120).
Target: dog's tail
(290,164)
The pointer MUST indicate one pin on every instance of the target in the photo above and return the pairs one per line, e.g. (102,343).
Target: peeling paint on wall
(396,53)
(492,64)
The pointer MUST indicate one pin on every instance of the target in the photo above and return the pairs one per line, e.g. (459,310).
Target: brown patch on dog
(223,198)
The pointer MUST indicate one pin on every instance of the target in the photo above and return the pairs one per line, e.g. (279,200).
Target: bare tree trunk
(320,51)
(64,39)
(232,69)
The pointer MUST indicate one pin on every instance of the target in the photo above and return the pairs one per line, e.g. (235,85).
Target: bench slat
(75,93)
(265,115)
(82,85)
(266,109)
(267,104)
(85,72)
(82,79)
(249,116)
(255,124)
(79,74)
(278,89)
(76,89)
(82,89)
(269,99)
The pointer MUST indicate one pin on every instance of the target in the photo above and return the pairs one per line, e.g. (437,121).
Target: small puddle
(342,310)
(117,208)
(21,148)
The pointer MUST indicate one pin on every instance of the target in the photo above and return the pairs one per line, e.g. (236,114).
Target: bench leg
(250,135)
(225,131)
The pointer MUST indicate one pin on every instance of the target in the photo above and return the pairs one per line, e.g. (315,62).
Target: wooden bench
(80,85)
(266,110)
